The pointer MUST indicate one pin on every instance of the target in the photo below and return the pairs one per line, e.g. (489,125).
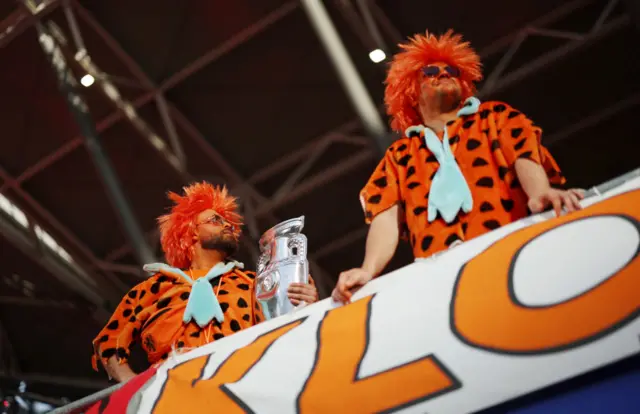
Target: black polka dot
(480,162)
(233,277)
(515,183)
(224,306)
(431,158)
(491,224)
(132,319)
(217,336)
(419,210)
(413,133)
(402,147)
(113,325)
(108,353)
(495,144)
(164,356)
(426,196)
(486,182)
(155,288)
(411,171)
(433,175)
(507,204)
(128,302)
(499,108)
(468,124)
(243,286)
(163,303)
(135,334)
(132,294)
(375,199)
(451,239)
(473,144)
(103,338)
(163,278)
(180,344)
(465,226)
(502,172)
(426,243)
(404,160)
(449,123)
(184,295)
(257,305)
(380,182)
(520,144)
(412,185)
(258,318)
(122,353)
(138,309)
(486,206)
(455,221)
(516,132)
(454,139)
(422,146)
(484,114)
(195,334)
(513,114)
(242,303)
(246,318)
(127,313)
(234,325)
(525,155)
(144,292)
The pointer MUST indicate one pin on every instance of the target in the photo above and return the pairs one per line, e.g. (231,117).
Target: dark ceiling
(253,98)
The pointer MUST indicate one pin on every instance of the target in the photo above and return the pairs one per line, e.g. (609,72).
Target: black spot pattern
(380,182)
(526,155)
(426,243)
(484,114)
(217,336)
(163,303)
(451,239)
(195,334)
(515,183)
(132,294)
(502,172)
(431,158)
(433,175)
(375,199)
(122,353)
(513,114)
(368,214)
(235,326)
(419,210)
(246,318)
(242,303)
(473,144)
(258,318)
(507,204)
(411,171)
(127,313)
(180,344)
(486,206)
(520,144)
(138,309)
(243,286)
(454,139)
(103,338)
(455,221)
(413,133)
(468,124)
(144,292)
(108,353)
(132,319)
(184,295)
(480,162)
(224,306)
(412,185)
(486,182)
(465,226)
(404,160)
(113,325)
(516,132)
(495,144)
(499,108)
(491,224)
(155,288)
(402,147)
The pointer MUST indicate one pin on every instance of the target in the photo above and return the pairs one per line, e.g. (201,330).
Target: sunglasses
(432,71)
(219,221)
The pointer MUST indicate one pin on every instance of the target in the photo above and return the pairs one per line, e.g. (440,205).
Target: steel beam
(21,20)
(347,73)
(75,382)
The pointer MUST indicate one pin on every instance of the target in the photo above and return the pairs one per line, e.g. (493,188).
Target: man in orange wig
(200,296)
(462,168)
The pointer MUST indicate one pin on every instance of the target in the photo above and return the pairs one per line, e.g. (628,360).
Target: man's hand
(302,292)
(349,282)
(569,199)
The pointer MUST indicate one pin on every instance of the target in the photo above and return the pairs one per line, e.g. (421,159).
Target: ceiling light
(377,56)
(87,80)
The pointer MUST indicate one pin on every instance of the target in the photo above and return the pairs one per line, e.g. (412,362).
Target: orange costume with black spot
(179,307)
(485,140)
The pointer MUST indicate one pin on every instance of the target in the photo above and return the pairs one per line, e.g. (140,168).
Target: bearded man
(200,296)
(462,168)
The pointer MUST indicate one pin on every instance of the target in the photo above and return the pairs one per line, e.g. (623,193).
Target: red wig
(178,228)
(403,79)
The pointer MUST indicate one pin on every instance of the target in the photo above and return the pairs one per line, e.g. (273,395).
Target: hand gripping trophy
(283,260)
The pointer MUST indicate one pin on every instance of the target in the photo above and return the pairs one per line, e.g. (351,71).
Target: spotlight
(377,56)
(87,80)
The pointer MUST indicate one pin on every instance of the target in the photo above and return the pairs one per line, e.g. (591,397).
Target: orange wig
(178,228)
(405,73)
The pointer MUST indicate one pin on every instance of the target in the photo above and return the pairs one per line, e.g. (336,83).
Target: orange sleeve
(124,325)
(520,138)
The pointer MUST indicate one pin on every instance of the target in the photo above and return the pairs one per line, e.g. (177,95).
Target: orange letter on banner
(334,385)
(185,392)
(485,315)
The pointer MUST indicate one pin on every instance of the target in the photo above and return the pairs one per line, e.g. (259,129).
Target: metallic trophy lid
(291,226)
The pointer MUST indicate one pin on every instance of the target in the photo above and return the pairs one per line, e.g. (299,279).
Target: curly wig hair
(178,228)
(403,78)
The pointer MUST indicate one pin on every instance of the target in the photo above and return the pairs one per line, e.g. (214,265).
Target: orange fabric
(152,311)
(485,145)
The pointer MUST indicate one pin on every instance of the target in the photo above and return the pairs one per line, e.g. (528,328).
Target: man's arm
(121,372)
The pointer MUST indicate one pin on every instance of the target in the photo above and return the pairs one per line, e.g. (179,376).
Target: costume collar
(470,107)
(217,270)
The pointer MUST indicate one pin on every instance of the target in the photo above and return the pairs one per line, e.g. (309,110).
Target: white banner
(525,306)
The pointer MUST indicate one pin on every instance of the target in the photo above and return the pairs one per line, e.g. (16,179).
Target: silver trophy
(283,260)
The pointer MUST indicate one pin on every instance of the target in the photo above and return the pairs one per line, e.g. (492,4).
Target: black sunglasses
(431,71)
